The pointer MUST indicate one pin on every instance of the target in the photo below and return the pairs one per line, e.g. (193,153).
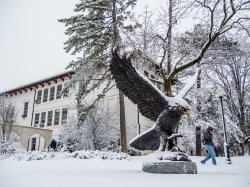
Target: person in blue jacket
(209,145)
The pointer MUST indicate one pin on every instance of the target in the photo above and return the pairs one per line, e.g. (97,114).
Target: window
(64,115)
(58,91)
(152,76)
(66,92)
(146,74)
(50,116)
(25,110)
(57,117)
(39,97)
(159,86)
(111,103)
(248,117)
(43,118)
(52,93)
(45,95)
(33,144)
(37,115)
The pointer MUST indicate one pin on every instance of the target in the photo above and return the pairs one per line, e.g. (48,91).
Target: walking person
(209,145)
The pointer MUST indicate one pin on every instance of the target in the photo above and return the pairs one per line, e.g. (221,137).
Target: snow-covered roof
(35,84)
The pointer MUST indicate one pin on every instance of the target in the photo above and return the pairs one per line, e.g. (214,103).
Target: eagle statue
(165,111)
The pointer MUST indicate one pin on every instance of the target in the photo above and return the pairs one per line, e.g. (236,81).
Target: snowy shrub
(134,152)
(10,147)
(99,131)
(88,154)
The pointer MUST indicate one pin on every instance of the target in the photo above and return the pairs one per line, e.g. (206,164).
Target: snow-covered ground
(74,172)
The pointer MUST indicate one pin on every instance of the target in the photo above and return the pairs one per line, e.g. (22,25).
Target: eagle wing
(136,87)
(148,140)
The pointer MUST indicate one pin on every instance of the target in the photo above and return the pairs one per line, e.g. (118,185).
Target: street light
(221,93)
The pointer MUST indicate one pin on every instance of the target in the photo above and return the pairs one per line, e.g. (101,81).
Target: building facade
(46,105)
(42,105)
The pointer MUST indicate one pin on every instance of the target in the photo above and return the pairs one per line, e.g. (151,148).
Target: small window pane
(57,117)
(58,91)
(64,115)
(146,74)
(39,97)
(45,95)
(66,92)
(49,120)
(25,110)
(37,116)
(248,117)
(33,144)
(43,118)
(159,86)
(52,93)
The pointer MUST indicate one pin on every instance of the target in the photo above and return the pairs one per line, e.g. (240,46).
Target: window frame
(39,96)
(45,95)
(37,119)
(146,73)
(25,109)
(52,91)
(57,117)
(64,116)
(248,117)
(50,119)
(59,91)
(66,92)
(43,119)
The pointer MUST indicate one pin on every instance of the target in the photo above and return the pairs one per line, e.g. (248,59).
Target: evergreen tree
(91,34)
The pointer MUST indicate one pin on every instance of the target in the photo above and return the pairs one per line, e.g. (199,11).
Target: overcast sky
(31,39)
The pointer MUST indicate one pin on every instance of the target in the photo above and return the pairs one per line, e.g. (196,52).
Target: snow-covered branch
(192,81)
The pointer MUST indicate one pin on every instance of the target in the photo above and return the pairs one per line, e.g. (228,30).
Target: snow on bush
(10,147)
(99,131)
(38,155)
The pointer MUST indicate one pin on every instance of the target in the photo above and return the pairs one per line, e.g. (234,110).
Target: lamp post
(226,148)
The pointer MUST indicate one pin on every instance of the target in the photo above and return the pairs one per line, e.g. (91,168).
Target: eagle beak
(187,113)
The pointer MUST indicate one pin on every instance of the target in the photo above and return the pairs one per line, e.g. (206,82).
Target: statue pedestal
(170,167)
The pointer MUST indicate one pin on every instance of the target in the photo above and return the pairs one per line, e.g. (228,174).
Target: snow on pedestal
(169,163)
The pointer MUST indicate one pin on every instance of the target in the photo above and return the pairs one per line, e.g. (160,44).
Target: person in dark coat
(209,145)
(53,144)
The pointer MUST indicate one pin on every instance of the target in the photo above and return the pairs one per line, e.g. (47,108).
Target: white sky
(31,39)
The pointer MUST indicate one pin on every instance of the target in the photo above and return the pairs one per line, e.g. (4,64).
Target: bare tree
(7,118)
(221,16)
(100,130)
(231,72)
(103,126)
(233,75)
(142,36)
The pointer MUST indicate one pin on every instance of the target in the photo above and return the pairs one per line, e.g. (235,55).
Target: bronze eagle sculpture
(165,111)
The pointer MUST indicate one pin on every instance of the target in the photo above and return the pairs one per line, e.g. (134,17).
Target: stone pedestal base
(178,167)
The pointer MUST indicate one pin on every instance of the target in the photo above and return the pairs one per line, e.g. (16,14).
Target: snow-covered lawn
(119,173)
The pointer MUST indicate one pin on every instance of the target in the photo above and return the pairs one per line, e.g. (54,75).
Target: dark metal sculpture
(165,111)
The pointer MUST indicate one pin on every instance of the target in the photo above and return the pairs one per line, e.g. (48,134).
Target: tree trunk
(167,82)
(123,137)
(198,128)
(169,37)
(198,140)
(123,134)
